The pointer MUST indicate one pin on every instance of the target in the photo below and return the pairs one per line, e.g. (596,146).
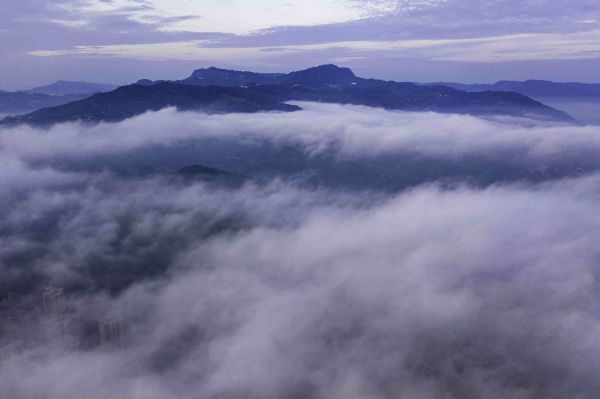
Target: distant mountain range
(220,90)
(64,87)
(14,103)
(531,88)
(58,93)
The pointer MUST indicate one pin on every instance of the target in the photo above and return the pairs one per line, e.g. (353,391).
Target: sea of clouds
(273,290)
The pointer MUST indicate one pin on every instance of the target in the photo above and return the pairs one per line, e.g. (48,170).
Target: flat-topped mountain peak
(323,74)
(320,75)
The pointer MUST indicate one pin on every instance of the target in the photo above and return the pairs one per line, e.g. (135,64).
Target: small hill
(195,173)
(195,170)
(148,82)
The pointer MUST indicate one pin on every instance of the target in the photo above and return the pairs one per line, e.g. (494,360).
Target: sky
(466,41)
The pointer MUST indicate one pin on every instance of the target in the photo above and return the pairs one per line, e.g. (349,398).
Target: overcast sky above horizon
(469,41)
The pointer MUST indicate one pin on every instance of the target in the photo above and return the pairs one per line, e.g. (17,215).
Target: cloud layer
(430,293)
(274,290)
(349,131)
(332,143)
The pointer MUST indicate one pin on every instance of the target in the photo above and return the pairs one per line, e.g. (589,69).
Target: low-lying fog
(347,147)
(300,284)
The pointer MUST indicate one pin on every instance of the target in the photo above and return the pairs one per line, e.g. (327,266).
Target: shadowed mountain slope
(132,100)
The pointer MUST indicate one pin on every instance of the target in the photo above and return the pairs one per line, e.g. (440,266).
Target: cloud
(282,291)
(61,20)
(350,131)
(524,47)
(430,293)
(439,21)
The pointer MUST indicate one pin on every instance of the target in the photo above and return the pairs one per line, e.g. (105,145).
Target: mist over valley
(334,250)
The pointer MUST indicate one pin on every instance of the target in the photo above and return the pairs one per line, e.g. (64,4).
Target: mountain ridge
(19,102)
(128,101)
(66,87)
(325,83)
(531,87)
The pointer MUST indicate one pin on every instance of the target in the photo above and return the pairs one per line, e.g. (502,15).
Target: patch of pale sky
(193,50)
(70,23)
(238,17)
(583,45)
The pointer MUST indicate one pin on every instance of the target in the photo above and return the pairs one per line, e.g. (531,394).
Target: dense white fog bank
(431,293)
(349,130)
(279,291)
